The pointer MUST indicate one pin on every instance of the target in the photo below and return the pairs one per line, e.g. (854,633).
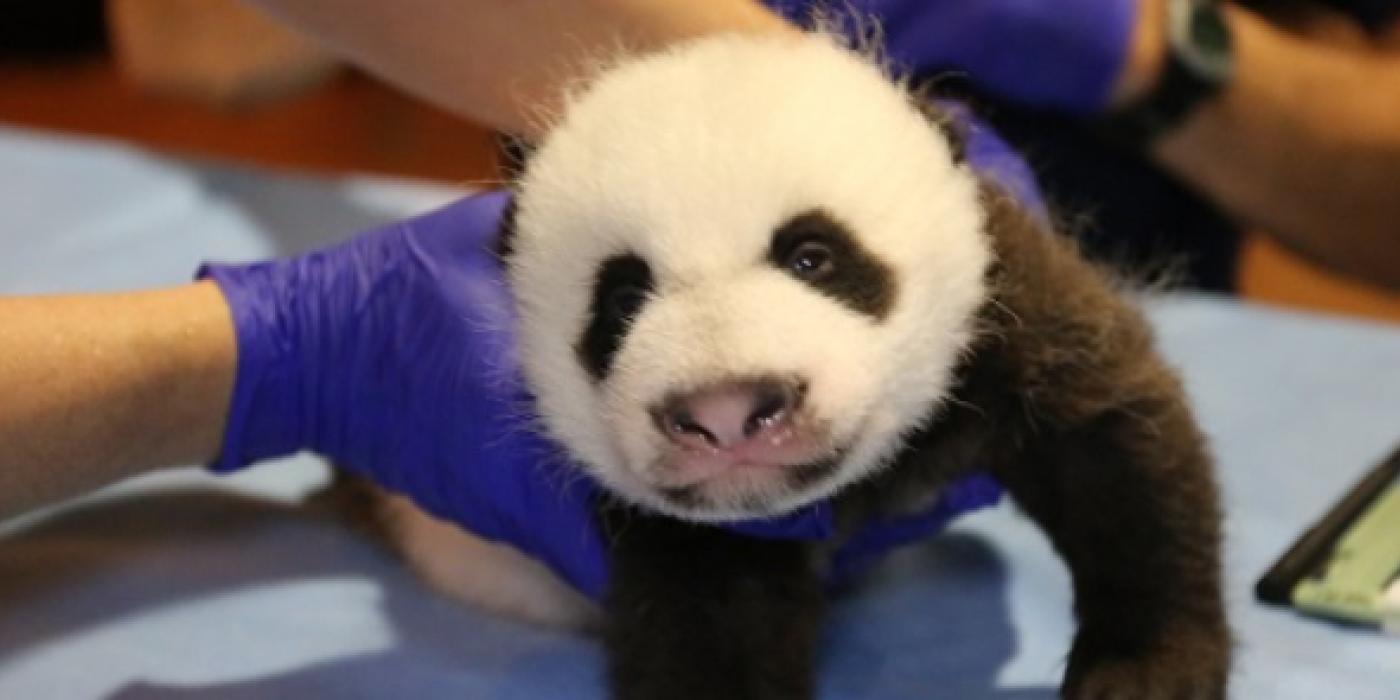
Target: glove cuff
(263,412)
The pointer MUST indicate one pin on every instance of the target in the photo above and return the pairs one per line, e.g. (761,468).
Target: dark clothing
(1123,208)
(52,29)
(1373,14)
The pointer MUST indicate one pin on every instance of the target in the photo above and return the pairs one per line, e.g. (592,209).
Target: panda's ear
(952,128)
(512,153)
(505,235)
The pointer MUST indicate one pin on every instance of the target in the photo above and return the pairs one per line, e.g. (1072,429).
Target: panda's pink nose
(730,415)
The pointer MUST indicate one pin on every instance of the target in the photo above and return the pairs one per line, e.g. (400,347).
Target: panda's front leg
(1128,499)
(698,612)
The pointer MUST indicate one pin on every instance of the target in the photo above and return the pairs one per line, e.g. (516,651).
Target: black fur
(699,612)
(855,277)
(505,237)
(805,475)
(512,154)
(610,314)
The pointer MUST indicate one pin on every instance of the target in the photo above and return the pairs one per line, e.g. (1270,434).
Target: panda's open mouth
(757,490)
(758,483)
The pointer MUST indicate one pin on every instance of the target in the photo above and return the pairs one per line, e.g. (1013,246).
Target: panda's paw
(1187,667)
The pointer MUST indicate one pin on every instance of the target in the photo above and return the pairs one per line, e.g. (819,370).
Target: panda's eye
(815,248)
(626,300)
(811,260)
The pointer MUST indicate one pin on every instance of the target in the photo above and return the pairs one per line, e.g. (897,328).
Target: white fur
(691,158)
(493,577)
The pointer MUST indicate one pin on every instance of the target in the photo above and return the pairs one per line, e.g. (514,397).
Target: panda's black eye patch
(819,250)
(620,290)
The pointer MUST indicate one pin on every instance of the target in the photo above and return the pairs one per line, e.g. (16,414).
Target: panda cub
(752,273)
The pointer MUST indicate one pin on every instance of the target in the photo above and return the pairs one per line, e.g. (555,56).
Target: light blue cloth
(180,586)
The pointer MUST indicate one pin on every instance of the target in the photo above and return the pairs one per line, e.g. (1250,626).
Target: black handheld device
(1347,566)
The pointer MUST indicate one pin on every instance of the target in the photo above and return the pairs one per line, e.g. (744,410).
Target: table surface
(185,585)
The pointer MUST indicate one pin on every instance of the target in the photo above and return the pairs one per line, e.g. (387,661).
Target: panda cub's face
(745,270)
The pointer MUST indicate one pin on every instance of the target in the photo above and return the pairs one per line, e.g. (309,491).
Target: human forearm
(100,387)
(1304,144)
(504,63)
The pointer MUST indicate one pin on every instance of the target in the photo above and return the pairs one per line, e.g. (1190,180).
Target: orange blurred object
(218,51)
(350,124)
(1274,275)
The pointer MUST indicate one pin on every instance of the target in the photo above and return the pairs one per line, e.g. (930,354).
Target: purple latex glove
(1065,54)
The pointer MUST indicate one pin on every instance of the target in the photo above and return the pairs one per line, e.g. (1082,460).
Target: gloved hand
(393,355)
(1064,54)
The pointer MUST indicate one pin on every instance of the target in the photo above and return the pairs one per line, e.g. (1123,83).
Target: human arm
(504,63)
(1304,143)
(102,387)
